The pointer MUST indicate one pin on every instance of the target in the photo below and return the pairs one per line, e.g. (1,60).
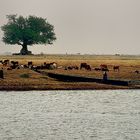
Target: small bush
(25,75)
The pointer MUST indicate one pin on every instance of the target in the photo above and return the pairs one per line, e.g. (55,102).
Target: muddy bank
(61,87)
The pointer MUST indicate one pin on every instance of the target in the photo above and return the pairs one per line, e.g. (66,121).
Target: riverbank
(61,86)
(27,79)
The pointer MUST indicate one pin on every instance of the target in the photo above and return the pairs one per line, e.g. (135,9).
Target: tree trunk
(24,50)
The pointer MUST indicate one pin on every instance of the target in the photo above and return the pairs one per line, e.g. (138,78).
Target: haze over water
(86,27)
(69,115)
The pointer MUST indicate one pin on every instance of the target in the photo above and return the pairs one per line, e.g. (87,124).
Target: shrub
(25,75)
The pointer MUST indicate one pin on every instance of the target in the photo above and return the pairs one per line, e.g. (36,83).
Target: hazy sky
(81,26)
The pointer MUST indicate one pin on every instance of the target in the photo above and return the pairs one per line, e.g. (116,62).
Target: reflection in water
(69,115)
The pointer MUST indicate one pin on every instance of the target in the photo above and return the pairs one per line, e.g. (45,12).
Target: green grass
(25,75)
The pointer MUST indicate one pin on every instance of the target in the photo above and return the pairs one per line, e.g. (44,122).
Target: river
(70,115)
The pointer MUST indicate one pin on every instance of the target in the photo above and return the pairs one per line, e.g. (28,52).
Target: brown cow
(136,71)
(85,66)
(103,66)
(30,63)
(116,68)
(88,67)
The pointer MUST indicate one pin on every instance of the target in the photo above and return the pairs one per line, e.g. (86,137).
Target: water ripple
(70,115)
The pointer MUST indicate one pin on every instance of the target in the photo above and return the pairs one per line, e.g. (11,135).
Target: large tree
(27,31)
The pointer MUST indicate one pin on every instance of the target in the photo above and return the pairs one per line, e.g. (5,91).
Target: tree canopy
(27,31)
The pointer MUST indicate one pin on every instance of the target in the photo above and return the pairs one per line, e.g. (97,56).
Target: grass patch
(25,75)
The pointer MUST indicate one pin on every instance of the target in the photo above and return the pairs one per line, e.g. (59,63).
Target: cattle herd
(16,65)
(53,65)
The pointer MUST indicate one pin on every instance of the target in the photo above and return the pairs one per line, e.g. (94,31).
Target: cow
(68,68)
(71,68)
(104,69)
(15,64)
(97,69)
(116,68)
(30,63)
(51,66)
(85,66)
(9,68)
(5,62)
(103,66)
(75,67)
(25,66)
(88,67)
(136,71)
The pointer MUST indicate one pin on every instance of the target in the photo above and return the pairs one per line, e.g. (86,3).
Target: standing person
(1,74)
(105,76)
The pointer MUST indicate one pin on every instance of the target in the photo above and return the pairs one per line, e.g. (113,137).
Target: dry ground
(15,79)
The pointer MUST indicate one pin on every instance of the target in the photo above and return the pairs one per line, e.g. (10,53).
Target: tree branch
(19,43)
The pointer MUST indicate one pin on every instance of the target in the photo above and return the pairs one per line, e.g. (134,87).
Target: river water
(70,115)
